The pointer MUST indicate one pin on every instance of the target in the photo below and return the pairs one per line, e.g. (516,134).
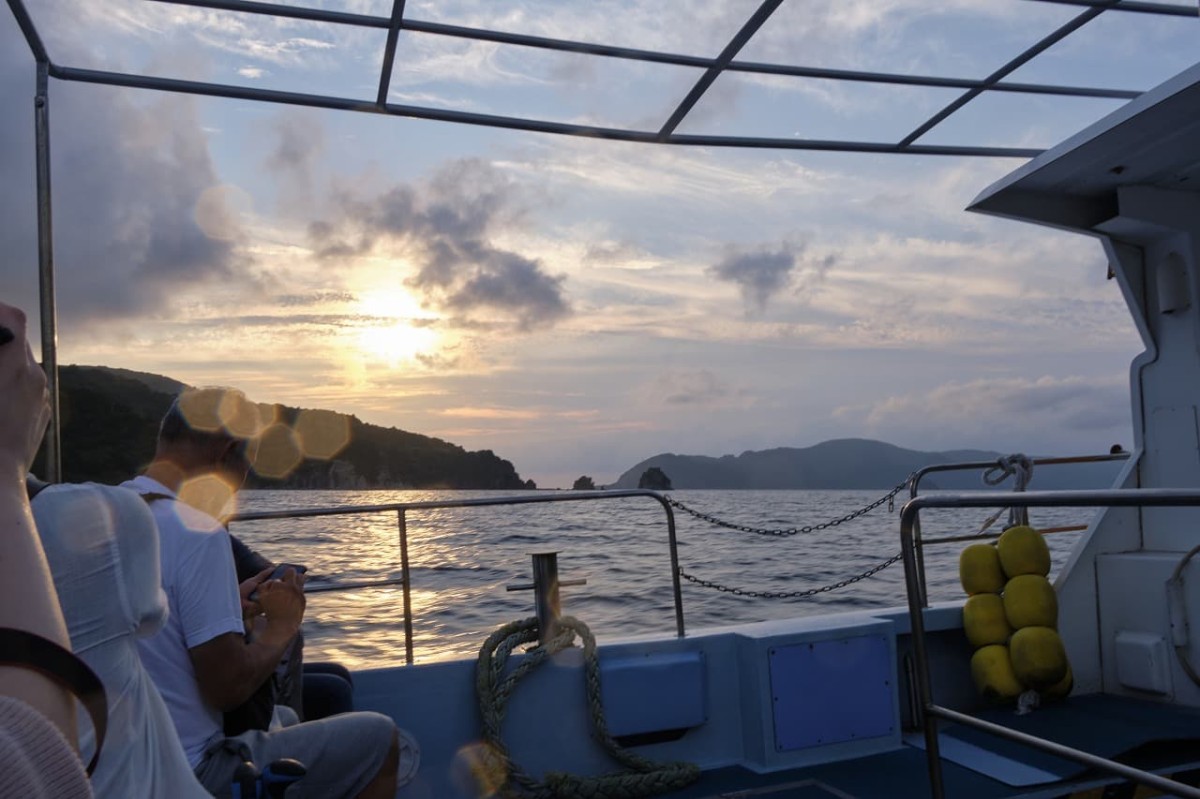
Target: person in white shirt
(102,547)
(202,662)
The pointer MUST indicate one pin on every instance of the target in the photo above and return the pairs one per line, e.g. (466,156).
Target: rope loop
(1020,467)
(494,688)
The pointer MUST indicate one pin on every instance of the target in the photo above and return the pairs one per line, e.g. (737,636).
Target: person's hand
(246,588)
(23,395)
(282,601)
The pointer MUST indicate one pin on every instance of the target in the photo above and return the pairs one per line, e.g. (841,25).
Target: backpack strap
(27,650)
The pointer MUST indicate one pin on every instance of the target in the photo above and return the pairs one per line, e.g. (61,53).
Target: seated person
(312,690)
(201,661)
(38,742)
(102,547)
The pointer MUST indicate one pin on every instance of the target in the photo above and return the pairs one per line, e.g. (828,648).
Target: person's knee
(375,724)
(377,728)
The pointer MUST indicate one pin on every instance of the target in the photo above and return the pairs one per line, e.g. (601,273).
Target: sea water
(463,559)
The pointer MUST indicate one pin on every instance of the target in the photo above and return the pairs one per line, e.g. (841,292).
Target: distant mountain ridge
(110,421)
(850,463)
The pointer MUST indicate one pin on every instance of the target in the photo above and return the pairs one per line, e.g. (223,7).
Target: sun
(398,329)
(397,342)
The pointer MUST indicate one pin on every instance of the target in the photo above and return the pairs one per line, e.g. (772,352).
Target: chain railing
(790,594)
(790,531)
(889,498)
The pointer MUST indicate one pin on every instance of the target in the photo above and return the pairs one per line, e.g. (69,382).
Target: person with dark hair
(202,661)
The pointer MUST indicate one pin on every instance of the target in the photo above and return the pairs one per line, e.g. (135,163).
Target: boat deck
(1150,735)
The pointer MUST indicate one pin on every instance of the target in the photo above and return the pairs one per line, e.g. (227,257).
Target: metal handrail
(401,510)
(928,712)
(914,484)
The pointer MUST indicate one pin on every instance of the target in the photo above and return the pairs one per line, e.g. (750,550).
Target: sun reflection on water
(463,559)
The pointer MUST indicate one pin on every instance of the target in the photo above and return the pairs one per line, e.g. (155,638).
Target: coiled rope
(494,689)
(1020,467)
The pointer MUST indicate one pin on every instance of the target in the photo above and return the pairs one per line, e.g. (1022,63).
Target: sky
(575,305)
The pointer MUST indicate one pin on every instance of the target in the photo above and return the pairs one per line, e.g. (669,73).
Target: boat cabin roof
(1150,141)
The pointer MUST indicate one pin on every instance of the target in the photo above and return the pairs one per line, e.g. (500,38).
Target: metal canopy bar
(373,21)
(928,80)
(25,23)
(389,51)
(1169,9)
(515,123)
(699,62)
(289,12)
(756,21)
(1023,58)
(651,56)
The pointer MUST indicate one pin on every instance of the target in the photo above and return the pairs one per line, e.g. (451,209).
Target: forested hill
(111,416)
(851,463)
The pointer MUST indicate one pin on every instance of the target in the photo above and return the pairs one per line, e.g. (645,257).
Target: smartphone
(280,570)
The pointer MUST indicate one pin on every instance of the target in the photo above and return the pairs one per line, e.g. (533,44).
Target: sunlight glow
(401,340)
(396,343)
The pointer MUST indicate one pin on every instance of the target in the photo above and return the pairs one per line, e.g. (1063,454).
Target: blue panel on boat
(652,693)
(831,691)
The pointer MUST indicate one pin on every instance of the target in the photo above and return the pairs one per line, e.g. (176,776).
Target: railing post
(676,588)
(928,722)
(546,600)
(49,314)
(402,521)
(914,481)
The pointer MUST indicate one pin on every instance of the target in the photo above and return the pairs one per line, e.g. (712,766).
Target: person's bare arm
(28,600)
(228,669)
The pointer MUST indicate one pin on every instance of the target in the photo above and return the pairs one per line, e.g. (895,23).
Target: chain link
(789,531)
(790,594)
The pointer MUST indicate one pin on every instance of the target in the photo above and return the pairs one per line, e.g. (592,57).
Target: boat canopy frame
(666,134)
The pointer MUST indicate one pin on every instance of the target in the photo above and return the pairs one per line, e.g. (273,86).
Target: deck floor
(1149,735)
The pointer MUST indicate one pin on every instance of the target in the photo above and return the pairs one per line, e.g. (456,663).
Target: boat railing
(928,711)
(914,486)
(403,509)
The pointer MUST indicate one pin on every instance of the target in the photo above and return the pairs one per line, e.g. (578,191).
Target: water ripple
(462,559)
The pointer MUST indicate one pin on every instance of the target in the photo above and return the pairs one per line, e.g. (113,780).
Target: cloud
(446,228)
(313,298)
(759,275)
(692,387)
(613,253)
(140,217)
(768,270)
(1028,411)
(294,160)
